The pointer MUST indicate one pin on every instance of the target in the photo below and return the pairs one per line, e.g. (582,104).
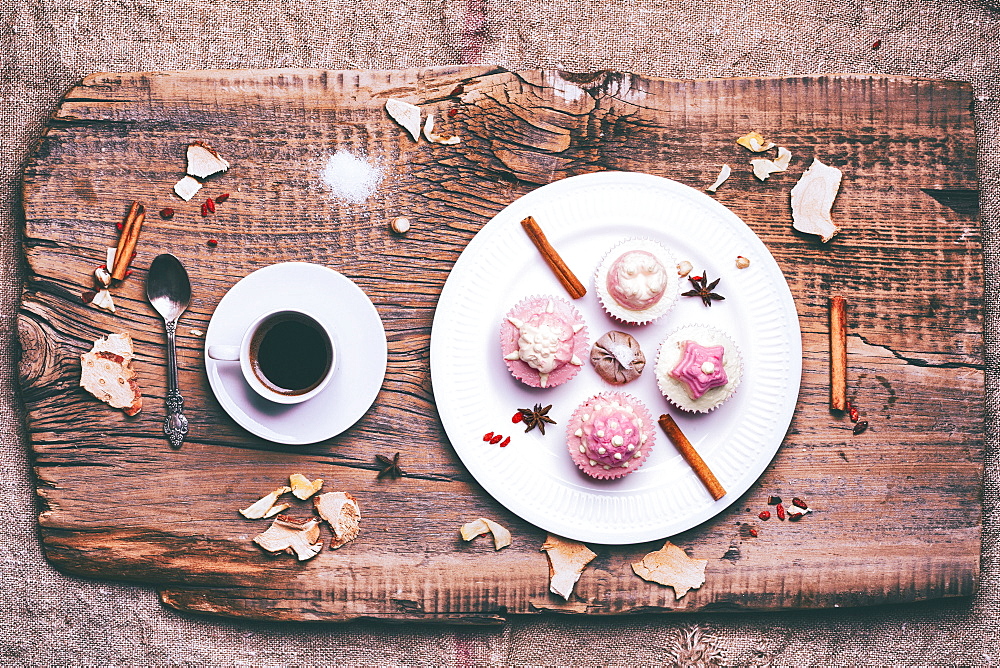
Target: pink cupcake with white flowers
(543,340)
(610,435)
(637,281)
(698,368)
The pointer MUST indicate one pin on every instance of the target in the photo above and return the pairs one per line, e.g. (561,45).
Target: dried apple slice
(203,161)
(478,527)
(342,513)
(186,188)
(567,559)
(447,140)
(812,200)
(672,567)
(754,142)
(302,487)
(406,114)
(259,508)
(291,535)
(106,372)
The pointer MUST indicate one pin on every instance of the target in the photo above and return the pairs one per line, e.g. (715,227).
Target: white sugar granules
(350,177)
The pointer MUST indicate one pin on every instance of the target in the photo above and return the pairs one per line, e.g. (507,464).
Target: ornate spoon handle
(175,425)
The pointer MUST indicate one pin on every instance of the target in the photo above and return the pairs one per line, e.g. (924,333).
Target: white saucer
(358,337)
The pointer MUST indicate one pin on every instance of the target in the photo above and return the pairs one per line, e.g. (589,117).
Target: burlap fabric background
(46,45)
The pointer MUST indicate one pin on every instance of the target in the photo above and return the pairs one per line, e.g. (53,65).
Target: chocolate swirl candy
(617,358)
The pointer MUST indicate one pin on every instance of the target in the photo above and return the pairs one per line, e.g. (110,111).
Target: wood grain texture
(897,509)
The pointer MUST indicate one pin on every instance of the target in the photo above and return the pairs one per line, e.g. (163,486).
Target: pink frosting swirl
(700,368)
(612,436)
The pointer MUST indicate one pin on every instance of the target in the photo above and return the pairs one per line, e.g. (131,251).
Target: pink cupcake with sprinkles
(610,435)
(544,341)
(637,281)
(698,368)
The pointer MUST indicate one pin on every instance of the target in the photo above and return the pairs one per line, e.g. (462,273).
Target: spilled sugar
(349,177)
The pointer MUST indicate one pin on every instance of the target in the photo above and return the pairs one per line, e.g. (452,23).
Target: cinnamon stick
(838,354)
(565,275)
(128,239)
(692,457)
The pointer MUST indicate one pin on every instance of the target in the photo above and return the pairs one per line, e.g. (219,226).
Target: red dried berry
(696,278)
(458,90)
(222,198)
(876,44)
(517,417)
(210,203)
(104,267)
(496,439)
(505,443)
(204,210)
(799,502)
(861,427)
(765,515)
(212,243)
(780,509)
(772,500)
(487,436)
(128,272)
(452,113)
(166,213)
(88,296)
(795,517)
(753,532)
(120,226)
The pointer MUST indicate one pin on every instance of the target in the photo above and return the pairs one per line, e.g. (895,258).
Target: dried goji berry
(210,204)
(166,213)
(212,243)
(753,532)
(765,515)
(452,113)
(505,443)
(496,439)
(128,272)
(876,44)
(799,502)
(780,509)
(458,90)
(517,417)
(204,210)
(487,436)
(120,226)
(222,198)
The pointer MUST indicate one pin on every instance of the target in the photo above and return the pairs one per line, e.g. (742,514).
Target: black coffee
(290,354)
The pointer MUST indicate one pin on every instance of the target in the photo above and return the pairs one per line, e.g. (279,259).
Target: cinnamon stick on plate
(838,354)
(569,281)
(692,457)
(127,240)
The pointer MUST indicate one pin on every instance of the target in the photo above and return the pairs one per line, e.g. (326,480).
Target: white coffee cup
(286,355)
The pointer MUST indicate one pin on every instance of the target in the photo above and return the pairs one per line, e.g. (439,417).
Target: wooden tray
(897,509)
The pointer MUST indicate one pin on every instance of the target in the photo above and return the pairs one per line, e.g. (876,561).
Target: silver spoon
(169,291)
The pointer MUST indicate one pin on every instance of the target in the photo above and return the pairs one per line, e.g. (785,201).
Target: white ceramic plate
(534,477)
(348,313)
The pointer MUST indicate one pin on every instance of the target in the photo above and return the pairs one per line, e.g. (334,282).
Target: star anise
(703,289)
(536,417)
(390,467)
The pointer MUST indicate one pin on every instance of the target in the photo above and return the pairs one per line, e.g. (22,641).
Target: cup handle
(224,353)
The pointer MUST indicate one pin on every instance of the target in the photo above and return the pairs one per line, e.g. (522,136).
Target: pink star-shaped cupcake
(700,368)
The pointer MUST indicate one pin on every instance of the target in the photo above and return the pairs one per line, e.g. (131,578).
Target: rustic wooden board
(897,508)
